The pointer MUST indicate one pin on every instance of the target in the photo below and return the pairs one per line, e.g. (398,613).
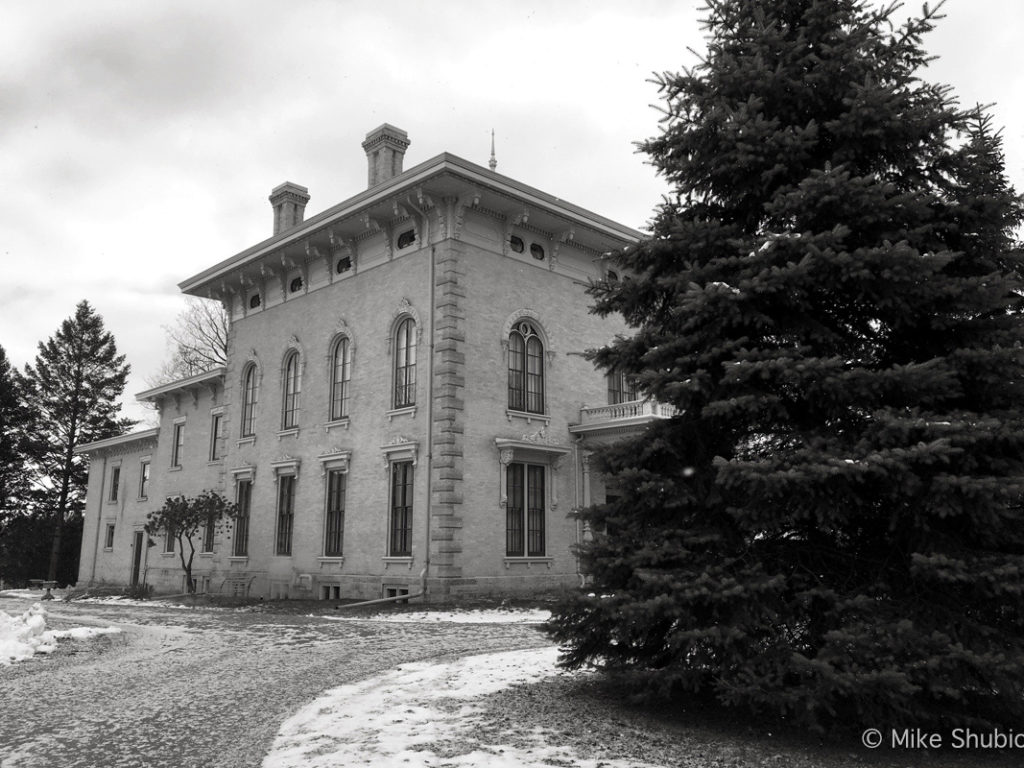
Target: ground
(287,685)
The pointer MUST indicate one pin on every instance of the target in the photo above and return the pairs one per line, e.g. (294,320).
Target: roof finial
(493,163)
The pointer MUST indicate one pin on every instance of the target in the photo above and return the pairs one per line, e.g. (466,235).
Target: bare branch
(198,341)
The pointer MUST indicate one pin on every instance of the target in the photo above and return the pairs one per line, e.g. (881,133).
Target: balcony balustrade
(621,415)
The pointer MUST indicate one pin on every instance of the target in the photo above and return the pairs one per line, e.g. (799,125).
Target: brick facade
(466,254)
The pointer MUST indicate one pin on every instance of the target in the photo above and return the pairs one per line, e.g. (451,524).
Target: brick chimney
(385,148)
(289,202)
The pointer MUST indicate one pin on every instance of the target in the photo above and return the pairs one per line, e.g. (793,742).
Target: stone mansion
(405,408)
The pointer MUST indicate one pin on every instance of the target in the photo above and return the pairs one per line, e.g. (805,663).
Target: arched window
(290,407)
(405,363)
(525,369)
(249,395)
(341,370)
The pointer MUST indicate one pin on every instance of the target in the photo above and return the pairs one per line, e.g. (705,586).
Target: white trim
(165,389)
(110,442)
(400,449)
(247,472)
(335,460)
(286,465)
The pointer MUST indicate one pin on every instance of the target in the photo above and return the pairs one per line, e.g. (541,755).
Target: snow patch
(22,637)
(399,718)
(119,600)
(479,616)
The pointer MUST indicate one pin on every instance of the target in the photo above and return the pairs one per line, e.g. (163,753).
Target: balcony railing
(634,409)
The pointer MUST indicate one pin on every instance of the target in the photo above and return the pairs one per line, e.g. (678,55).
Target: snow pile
(22,637)
(422,715)
(479,616)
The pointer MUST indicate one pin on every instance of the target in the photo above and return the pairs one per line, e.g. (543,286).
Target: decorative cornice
(199,380)
(531,443)
(443,171)
(97,446)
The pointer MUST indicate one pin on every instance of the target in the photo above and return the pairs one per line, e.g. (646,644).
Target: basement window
(296,285)
(344,264)
(516,244)
(537,252)
(254,301)
(406,239)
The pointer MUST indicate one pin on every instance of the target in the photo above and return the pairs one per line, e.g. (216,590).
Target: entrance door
(138,547)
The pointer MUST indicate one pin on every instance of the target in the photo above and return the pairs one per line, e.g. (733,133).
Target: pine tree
(830,529)
(14,431)
(73,390)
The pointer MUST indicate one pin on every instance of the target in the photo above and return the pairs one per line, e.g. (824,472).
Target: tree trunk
(62,504)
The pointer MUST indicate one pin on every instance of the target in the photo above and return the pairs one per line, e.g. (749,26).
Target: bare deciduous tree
(198,341)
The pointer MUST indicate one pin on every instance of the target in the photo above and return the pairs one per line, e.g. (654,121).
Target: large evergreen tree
(830,529)
(73,390)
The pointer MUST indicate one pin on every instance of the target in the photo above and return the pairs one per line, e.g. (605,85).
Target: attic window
(295,285)
(406,239)
(537,252)
(344,264)
(613,276)
(254,301)
(516,244)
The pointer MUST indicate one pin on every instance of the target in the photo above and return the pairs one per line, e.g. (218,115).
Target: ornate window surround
(405,311)
(530,315)
(531,449)
(293,350)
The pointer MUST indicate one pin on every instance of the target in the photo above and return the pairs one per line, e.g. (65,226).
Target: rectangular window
(516,373)
(144,480)
(620,389)
(334,533)
(215,422)
(169,541)
(108,542)
(178,444)
(534,376)
(524,511)
(115,482)
(243,498)
(400,539)
(209,532)
(285,514)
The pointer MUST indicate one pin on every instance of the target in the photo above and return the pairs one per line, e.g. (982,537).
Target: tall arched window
(292,382)
(249,395)
(341,370)
(405,363)
(525,369)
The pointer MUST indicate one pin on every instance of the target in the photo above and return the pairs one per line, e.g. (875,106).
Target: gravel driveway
(202,688)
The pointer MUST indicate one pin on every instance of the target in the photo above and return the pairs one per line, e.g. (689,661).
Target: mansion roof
(432,194)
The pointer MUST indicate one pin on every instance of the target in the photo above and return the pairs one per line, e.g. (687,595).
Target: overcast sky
(139,139)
